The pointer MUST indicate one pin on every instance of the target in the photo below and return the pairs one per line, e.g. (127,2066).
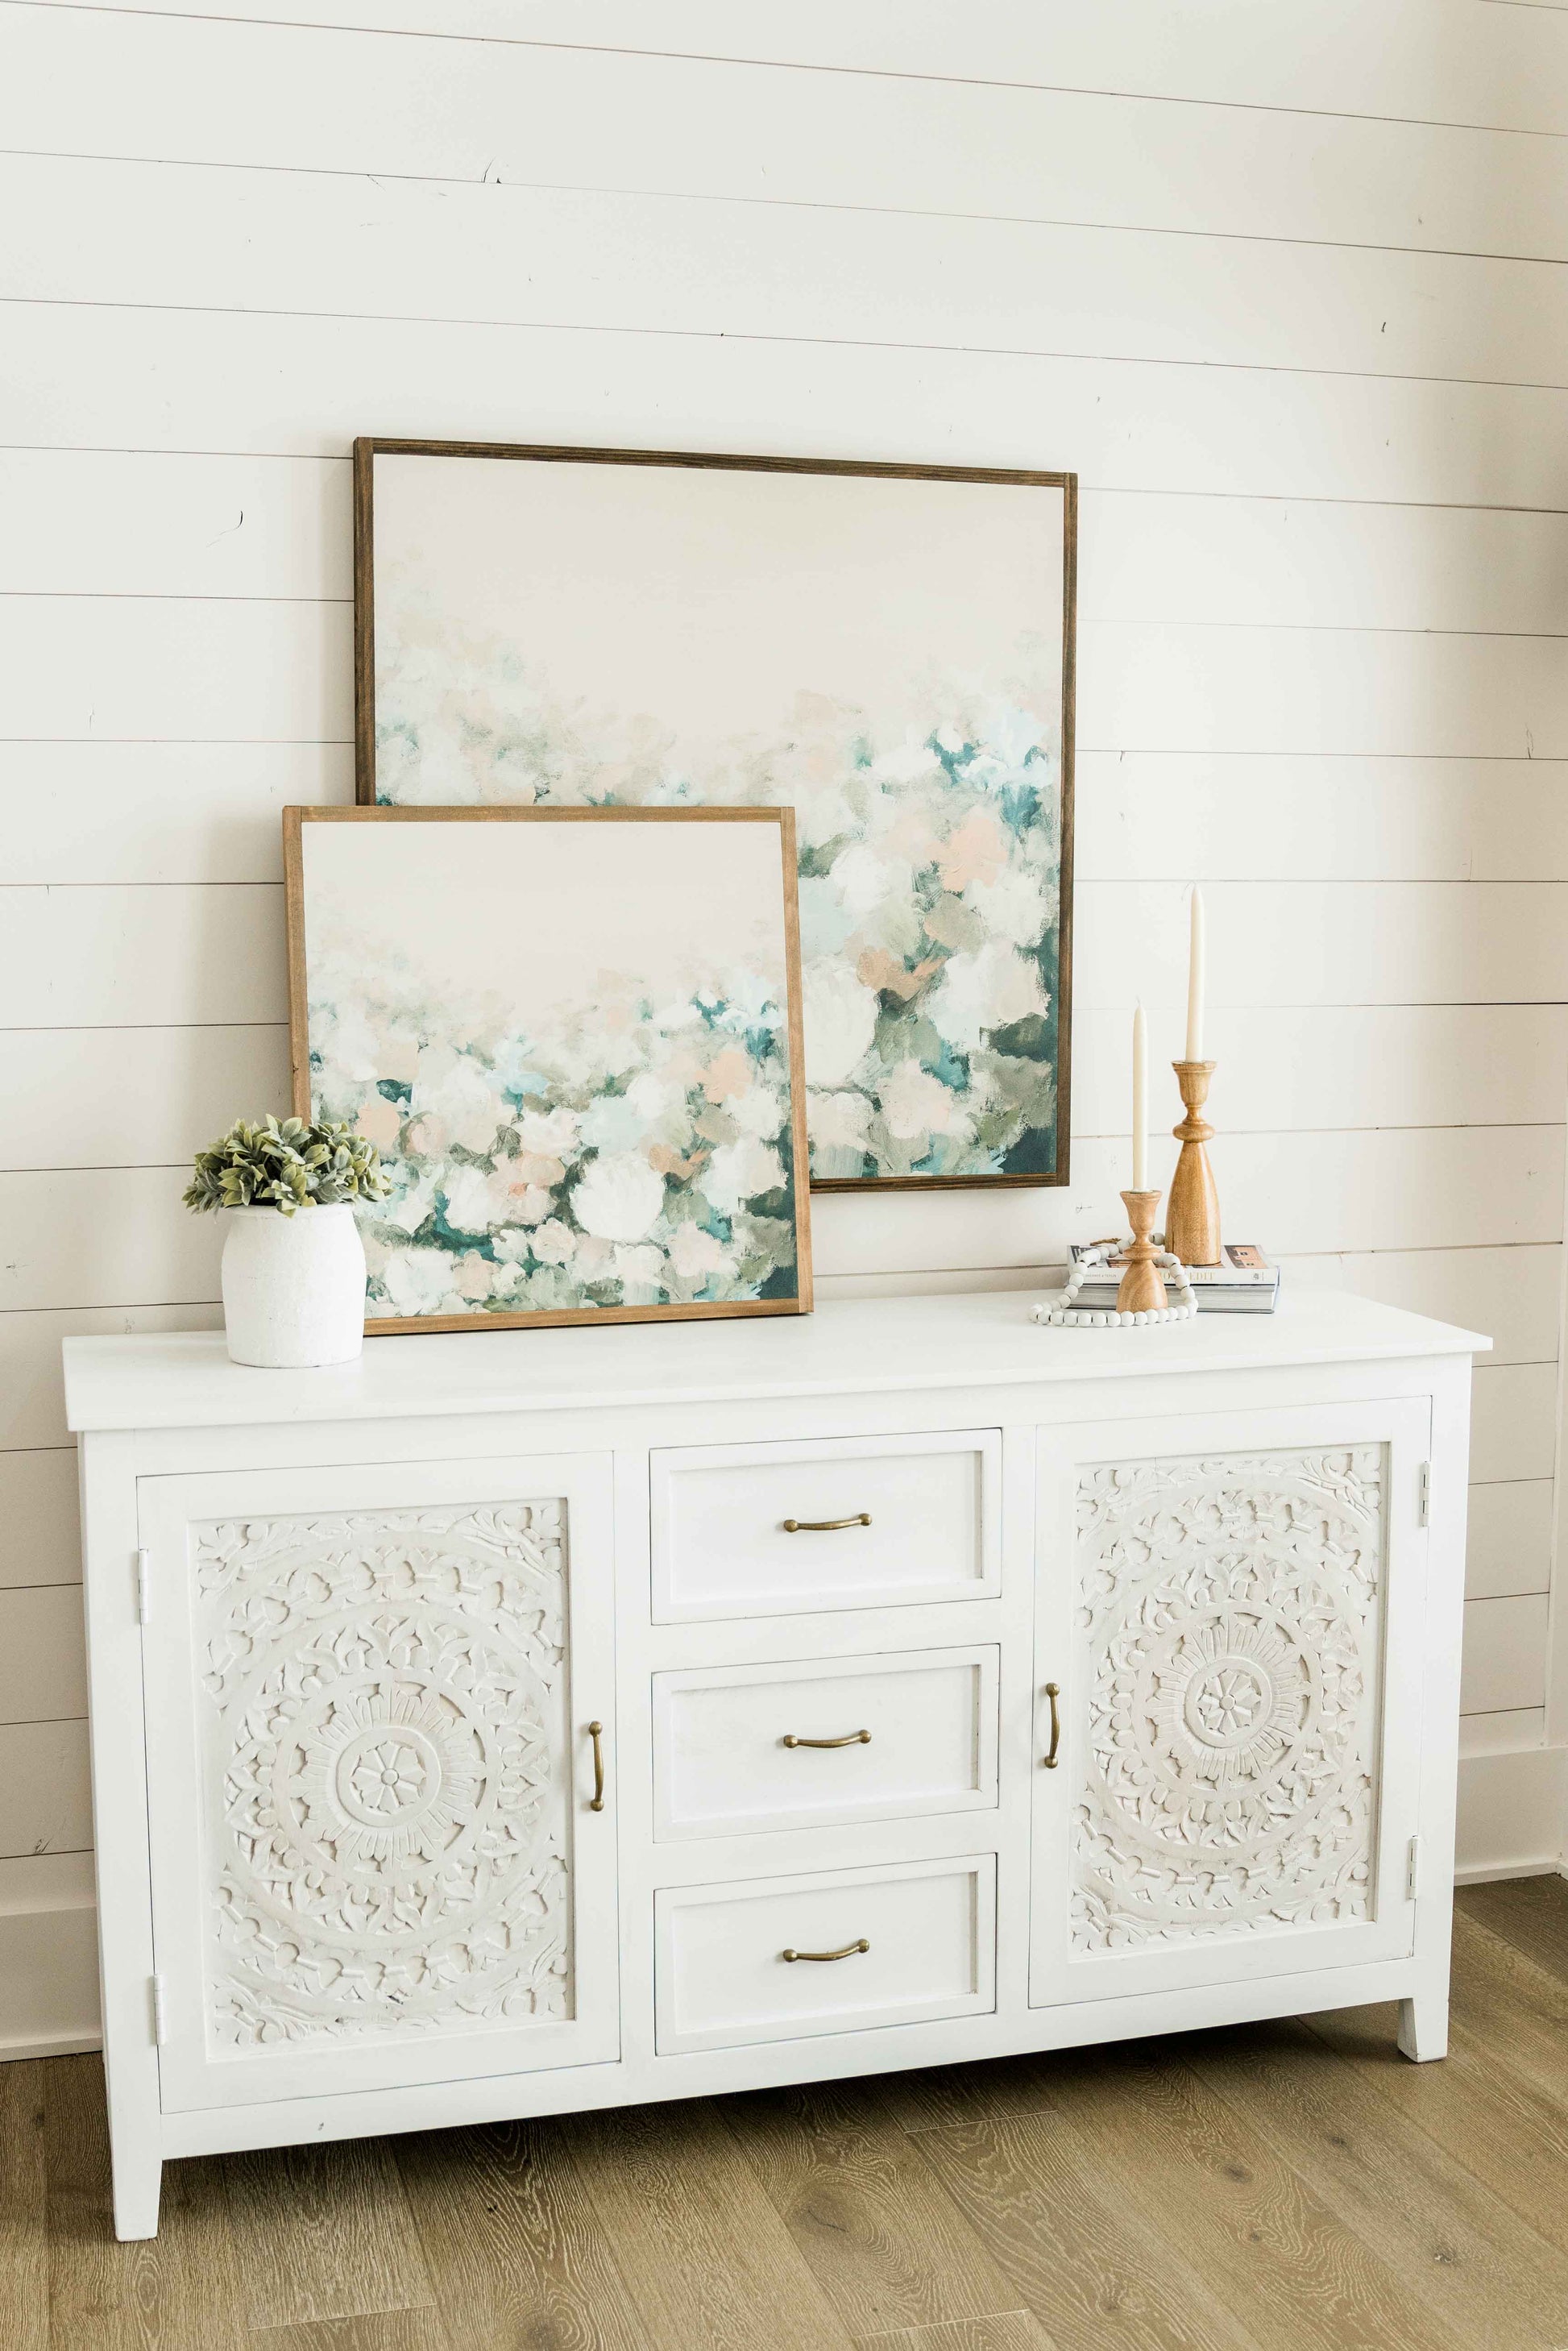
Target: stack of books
(1244,1283)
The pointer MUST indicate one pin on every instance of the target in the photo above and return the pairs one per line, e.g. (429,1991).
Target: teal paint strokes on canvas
(930,863)
(632,1153)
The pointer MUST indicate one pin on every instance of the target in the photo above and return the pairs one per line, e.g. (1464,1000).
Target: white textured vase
(294,1287)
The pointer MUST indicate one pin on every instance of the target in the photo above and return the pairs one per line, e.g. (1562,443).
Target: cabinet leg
(1424,2027)
(138,2185)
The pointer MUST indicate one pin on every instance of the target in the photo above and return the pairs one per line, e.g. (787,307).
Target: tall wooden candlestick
(1192,1220)
(1142,1292)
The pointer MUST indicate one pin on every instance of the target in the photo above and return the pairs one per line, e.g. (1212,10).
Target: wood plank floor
(1295,2187)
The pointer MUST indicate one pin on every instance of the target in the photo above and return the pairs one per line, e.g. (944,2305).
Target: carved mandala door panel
(374,1857)
(1230,1608)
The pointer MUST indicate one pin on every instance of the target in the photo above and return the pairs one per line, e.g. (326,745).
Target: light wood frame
(367,447)
(294,822)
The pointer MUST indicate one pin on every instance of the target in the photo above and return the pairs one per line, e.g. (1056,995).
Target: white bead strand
(1065,1313)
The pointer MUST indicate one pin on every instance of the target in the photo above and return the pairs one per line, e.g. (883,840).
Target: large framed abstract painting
(889,649)
(575,1036)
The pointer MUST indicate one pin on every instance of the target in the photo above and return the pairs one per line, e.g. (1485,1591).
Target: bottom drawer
(915,1940)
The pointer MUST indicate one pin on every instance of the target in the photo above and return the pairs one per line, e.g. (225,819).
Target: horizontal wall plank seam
(1084,751)
(180,1028)
(807,342)
(1081,1134)
(1120,750)
(198,1027)
(1087,489)
(327,457)
(1087,486)
(1121,621)
(1546,762)
(1091,881)
(674,196)
(199,1305)
(1382,1004)
(1085,615)
(345,743)
(175,596)
(807,66)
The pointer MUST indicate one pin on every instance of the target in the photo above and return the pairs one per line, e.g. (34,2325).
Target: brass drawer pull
(850,1738)
(596,1801)
(846,1953)
(824,1526)
(1053,1691)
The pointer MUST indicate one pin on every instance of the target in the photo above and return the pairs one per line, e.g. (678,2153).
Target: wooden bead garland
(1090,1318)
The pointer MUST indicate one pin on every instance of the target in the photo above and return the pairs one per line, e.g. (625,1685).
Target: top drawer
(851,1522)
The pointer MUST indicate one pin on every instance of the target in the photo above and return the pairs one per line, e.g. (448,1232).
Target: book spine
(1202,1277)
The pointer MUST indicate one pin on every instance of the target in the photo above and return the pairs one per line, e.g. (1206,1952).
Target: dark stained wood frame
(294,822)
(367,448)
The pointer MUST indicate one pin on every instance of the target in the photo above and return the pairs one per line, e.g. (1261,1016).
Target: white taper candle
(1195,981)
(1140,1102)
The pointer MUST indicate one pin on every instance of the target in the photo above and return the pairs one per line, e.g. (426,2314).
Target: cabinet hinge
(144,1586)
(160,2019)
(1424,1500)
(1412,1864)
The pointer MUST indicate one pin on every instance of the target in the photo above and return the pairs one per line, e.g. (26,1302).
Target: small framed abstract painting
(889,649)
(575,1036)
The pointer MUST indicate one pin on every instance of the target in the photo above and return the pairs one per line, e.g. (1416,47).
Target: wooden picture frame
(994,1093)
(558,1117)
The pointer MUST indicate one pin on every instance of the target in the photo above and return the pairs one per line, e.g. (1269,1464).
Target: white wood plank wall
(1282,279)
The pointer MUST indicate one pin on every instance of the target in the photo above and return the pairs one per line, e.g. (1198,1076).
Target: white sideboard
(512,1723)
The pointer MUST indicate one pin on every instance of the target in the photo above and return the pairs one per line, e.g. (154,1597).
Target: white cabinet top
(185,1380)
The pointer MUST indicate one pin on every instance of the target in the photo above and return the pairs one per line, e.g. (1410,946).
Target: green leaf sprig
(288,1166)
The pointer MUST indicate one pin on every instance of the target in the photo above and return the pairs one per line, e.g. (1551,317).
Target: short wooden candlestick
(1142,1292)
(1192,1220)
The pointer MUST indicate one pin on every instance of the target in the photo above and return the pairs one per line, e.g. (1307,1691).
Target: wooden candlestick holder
(1142,1292)
(1192,1220)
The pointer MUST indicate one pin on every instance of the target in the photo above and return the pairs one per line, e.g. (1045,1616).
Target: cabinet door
(369,1774)
(1232,1609)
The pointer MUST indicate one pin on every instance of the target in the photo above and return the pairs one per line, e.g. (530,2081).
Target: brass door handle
(846,1953)
(1053,1691)
(596,1801)
(824,1526)
(850,1738)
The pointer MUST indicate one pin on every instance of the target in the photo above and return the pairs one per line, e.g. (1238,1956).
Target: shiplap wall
(1282,279)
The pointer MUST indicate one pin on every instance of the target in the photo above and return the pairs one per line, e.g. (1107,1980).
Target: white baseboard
(48,1982)
(1481,1874)
(1513,1815)
(11,2053)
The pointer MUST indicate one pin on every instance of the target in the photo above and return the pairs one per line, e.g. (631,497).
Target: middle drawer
(821,1742)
